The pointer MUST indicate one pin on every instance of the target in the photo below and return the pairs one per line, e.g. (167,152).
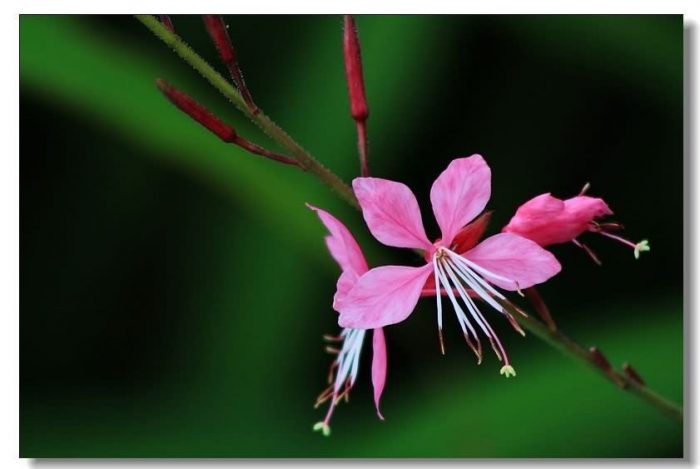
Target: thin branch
(554,338)
(293,149)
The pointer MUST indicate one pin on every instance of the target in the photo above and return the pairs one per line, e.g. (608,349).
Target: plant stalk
(308,163)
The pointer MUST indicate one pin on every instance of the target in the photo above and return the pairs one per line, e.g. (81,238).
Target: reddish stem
(219,35)
(362,147)
(356,87)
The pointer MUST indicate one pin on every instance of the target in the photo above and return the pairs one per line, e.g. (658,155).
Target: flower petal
(587,208)
(342,244)
(378,366)
(345,283)
(384,295)
(459,194)
(515,258)
(470,235)
(391,212)
(548,220)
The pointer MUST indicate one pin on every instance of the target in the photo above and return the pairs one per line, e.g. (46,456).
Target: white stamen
(437,294)
(459,261)
(452,268)
(485,326)
(482,270)
(465,299)
(472,282)
(349,357)
(461,317)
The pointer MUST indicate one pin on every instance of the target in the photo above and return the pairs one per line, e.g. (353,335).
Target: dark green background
(174,289)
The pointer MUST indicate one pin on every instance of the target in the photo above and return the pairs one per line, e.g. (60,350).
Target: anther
(515,324)
(585,188)
(476,350)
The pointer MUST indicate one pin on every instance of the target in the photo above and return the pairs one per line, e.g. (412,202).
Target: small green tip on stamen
(642,246)
(323,427)
(508,371)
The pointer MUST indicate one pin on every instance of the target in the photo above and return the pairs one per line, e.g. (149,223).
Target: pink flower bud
(353,70)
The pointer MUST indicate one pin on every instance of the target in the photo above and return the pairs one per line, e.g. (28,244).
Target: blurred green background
(174,289)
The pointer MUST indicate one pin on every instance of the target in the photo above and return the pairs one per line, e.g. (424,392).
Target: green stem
(566,345)
(310,164)
(307,162)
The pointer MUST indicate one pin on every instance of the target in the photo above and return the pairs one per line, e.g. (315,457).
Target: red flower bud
(219,35)
(632,374)
(215,125)
(167,22)
(356,87)
(353,70)
(197,112)
(599,358)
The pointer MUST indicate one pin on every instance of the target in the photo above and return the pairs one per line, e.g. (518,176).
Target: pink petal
(548,220)
(515,258)
(378,366)
(384,295)
(346,282)
(341,244)
(391,212)
(587,208)
(471,234)
(459,194)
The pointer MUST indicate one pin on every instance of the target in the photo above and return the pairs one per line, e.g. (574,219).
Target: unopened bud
(197,112)
(353,70)
(215,125)
(632,374)
(167,22)
(219,36)
(599,358)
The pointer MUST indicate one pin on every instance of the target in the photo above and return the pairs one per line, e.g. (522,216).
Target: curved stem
(306,161)
(566,345)
(554,338)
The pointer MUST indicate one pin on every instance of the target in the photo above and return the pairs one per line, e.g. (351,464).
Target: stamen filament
(473,282)
(461,317)
(618,238)
(438,296)
(485,326)
(482,270)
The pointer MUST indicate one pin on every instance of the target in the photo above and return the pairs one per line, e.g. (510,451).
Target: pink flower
(547,220)
(346,252)
(388,294)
